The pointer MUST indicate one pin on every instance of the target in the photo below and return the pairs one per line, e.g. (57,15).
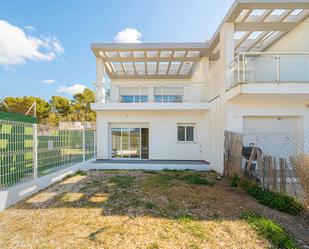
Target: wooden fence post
(271,172)
(282,163)
(260,160)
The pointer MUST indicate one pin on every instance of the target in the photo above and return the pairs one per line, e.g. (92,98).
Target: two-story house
(173,101)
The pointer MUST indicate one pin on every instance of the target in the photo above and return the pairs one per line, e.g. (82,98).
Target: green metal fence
(30,150)
(16,152)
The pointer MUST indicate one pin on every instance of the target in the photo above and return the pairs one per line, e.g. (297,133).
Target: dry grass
(132,209)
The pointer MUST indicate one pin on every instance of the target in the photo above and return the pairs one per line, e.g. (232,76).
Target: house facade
(173,101)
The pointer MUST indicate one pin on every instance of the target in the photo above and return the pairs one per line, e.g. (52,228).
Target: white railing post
(84,147)
(117,94)
(238,70)
(35,151)
(278,67)
(243,68)
(94,144)
(139,92)
(162,92)
(185,93)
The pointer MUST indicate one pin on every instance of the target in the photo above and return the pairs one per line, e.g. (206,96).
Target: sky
(45,45)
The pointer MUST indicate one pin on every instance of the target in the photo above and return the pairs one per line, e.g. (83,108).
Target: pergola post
(227,49)
(100,88)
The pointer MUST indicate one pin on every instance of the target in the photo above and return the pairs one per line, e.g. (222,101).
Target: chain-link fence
(29,150)
(276,161)
(279,144)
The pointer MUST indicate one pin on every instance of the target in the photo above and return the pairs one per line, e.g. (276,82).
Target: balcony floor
(149,106)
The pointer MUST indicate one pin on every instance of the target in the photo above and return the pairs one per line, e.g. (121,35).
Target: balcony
(270,68)
(154,96)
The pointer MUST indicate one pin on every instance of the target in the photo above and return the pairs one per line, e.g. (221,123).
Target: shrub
(277,201)
(270,230)
(235,181)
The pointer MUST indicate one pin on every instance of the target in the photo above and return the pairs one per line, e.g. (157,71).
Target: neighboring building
(174,100)
(63,125)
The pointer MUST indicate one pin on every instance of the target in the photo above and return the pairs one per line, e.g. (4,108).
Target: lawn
(144,209)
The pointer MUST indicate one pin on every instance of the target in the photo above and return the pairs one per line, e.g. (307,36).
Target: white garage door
(270,124)
(274,135)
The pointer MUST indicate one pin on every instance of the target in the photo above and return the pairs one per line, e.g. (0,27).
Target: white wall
(259,105)
(162,133)
(297,40)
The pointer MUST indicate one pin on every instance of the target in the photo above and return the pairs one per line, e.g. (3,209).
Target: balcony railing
(156,92)
(261,67)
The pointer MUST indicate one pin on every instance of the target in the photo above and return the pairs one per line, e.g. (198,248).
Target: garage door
(274,135)
(270,124)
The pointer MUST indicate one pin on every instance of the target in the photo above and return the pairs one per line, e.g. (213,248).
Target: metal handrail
(241,65)
(114,89)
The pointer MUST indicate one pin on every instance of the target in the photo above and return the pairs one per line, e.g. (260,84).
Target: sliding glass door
(129,143)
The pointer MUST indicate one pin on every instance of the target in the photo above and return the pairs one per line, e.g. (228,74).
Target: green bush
(277,201)
(235,181)
(270,230)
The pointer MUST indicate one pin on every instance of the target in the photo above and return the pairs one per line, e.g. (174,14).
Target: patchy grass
(194,179)
(150,205)
(134,209)
(271,230)
(122,181)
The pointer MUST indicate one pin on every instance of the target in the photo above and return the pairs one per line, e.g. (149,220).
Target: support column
(100,73)
(205,78)
(227,50)
(218,106)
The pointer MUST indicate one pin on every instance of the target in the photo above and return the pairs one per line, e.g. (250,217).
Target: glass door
(129,143)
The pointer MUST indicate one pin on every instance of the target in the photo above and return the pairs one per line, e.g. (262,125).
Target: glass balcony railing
(269,68)
(156,92)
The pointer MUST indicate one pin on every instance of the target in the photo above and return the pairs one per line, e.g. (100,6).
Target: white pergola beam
(246,16)
(170,63)
(285,15)
(242,39)
(153,59)
(256,41)
(181,64)
(266,14)
(264,26)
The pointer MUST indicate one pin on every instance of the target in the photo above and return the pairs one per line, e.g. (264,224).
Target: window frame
(186,125)
(159,98)
(135,98)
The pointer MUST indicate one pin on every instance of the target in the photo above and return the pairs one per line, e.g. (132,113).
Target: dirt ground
(140,209)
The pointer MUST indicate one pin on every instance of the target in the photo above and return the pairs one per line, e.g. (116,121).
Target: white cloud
(16,46)
(71,90)
(48,82)
(128,35)
(31,28)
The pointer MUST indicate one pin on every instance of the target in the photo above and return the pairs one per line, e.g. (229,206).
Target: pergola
(150,60)
(257,25)
(260,23)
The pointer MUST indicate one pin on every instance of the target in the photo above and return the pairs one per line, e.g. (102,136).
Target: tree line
(57,109)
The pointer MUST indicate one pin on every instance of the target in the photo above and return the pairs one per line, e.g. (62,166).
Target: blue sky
(49,41)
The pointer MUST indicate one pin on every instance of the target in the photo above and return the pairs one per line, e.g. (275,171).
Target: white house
(173,101)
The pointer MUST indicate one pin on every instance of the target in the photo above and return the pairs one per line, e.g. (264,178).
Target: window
(168,98)
(133,98)
(185,133)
